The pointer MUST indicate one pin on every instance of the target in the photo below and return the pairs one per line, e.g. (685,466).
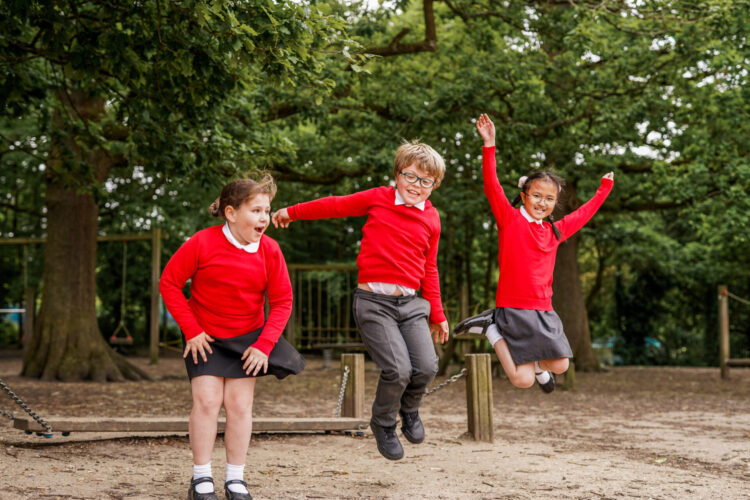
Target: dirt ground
(630,432)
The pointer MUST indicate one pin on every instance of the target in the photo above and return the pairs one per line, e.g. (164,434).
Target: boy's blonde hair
(423,156)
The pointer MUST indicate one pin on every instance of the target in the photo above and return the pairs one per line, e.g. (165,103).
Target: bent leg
(519,375)
(556,365)
(208,396)
(424,361)
(238,403)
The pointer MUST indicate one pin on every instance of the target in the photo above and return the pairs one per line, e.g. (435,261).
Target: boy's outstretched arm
(281,218)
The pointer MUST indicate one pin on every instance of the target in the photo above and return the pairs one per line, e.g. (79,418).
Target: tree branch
(429,44)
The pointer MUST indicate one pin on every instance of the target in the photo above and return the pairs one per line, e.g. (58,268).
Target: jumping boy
(397,257)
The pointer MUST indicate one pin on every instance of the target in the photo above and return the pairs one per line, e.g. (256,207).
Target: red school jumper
(228,288)
(399,243)
(527,250)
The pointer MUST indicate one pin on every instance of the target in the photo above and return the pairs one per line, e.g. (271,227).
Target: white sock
(203,471)
(236,472)
(493,335)
(541,376)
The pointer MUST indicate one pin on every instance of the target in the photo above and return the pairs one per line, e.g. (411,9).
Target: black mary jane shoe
(548,386)
(233,495)
(194,495)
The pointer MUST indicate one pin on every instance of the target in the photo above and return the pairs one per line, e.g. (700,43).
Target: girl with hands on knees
(526,333)
(232,267)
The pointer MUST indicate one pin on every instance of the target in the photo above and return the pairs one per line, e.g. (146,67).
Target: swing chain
(7,414)
(454,378)
(344,378)
(23,405)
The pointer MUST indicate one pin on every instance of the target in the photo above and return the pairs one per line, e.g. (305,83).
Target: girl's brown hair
(238,192)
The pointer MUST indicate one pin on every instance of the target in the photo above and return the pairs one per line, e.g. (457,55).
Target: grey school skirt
(532,335)
(226,359)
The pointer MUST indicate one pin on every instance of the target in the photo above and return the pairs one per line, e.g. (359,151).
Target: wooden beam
(723,331)
(104,237)
(154,315)
(170,424)
(354,394)
(737,362)
(479,397)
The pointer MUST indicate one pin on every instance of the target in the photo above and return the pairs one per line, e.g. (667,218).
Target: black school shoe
(411,426)
(548,386)
(232,495)
(194,495)
(475,324)
(388,444)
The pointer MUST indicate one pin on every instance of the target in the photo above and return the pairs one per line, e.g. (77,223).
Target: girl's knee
(558,366)
(208,402)
(523,380)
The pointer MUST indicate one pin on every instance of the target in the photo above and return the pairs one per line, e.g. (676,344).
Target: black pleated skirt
(532,335)
(226,359)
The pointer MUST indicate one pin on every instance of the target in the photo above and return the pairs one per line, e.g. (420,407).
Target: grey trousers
(396,334)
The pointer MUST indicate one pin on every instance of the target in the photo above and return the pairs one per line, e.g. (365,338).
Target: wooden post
(568,378)
(289,330)
(354,395)
(479,396)
(29,305)
(155,272)
(723,331)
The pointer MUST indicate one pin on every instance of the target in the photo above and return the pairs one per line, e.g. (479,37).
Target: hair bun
(522,181)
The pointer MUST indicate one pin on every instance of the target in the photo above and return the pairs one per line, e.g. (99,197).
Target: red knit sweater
(399,243)
(228,288)
(527,250)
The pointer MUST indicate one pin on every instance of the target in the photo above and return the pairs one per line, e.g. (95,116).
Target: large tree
(157,86)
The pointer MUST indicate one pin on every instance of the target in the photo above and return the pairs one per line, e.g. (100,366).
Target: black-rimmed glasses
(411,178)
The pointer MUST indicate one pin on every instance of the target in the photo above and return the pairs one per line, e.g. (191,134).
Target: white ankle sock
(541,376)
(235,472)
(203,471)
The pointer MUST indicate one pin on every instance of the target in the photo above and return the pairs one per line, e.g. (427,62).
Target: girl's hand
(198,344)
(486,129)
(610,176)
(281,218)
(440,331)
(256,360)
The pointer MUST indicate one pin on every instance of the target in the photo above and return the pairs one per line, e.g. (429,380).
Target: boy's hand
(439,331)
(610,176)
(256,360)
(198,344)
(281,218)
(486,129)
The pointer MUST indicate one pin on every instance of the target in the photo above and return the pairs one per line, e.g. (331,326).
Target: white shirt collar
(400,201)
(529,217)
(249,248)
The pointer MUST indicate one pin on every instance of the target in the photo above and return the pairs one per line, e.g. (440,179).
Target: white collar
(249,248)
(529,217)
(400,201)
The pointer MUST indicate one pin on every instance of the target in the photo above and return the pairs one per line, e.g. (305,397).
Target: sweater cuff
(192,333)
(488,148)
(607,182)
(292,211)
(437,317)
(264,345)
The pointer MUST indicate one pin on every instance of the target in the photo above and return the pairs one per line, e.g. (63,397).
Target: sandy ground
(630,432)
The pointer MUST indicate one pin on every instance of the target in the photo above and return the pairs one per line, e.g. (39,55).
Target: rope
(738,299)
(121,326)
(23,405)
(337,413)
(454,378)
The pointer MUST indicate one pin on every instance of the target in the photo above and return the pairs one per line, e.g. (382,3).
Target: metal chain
(337,414)
(454,378)
(7,414)
(28,410)
(739,299)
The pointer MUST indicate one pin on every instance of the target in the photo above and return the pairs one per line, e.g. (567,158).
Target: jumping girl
(525,332)
(232,267)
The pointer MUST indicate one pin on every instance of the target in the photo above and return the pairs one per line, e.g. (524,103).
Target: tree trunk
(67,344)
(567,295)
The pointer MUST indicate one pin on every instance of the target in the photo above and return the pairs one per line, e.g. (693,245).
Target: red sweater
(228,288)
(527,249)
(399,243)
